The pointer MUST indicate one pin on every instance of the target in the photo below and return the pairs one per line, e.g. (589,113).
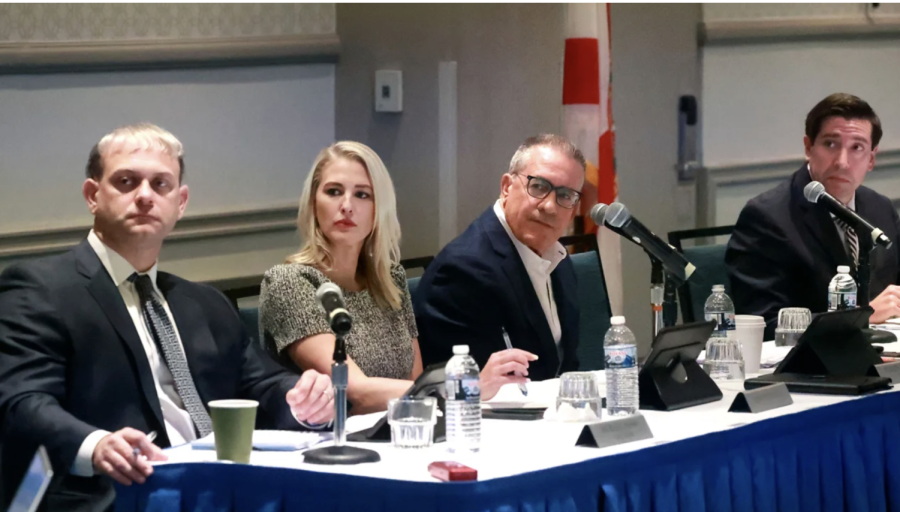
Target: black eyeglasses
(539,188)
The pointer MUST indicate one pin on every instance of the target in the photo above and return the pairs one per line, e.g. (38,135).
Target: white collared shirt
(179,426)
(539,269)
(840,229)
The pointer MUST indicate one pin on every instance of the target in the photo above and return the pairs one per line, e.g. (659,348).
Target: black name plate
(762,399)
(889,370)
(617,431)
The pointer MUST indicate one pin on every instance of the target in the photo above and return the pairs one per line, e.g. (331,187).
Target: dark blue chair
(250,319)
(711,269)
(593,300)
(413,284)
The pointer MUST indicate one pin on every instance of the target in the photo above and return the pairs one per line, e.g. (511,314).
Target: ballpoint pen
(150,437)
(509,346)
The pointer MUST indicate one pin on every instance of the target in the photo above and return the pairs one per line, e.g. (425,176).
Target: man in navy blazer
(84,368)
(508,271)
(785,250)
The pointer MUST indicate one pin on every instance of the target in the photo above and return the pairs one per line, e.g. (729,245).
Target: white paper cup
(750,330)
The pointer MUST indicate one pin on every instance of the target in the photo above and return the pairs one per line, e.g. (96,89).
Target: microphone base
(343,455)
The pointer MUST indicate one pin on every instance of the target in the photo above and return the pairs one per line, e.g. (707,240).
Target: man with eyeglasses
(508,272)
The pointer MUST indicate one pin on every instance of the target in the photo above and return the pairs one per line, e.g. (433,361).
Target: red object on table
(449,471)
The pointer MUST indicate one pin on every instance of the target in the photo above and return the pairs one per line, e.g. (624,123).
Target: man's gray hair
(561,144)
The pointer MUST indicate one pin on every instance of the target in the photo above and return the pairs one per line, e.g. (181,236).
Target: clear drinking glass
(724,360)
(792,322)
(579,399)
(412,421)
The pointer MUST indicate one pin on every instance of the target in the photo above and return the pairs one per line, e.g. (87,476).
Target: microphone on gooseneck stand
(669,268)
(598,214)
(815,193)
(868,235)
(331,300)
(617,216)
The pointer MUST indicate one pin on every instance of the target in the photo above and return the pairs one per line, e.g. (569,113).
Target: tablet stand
(671,378)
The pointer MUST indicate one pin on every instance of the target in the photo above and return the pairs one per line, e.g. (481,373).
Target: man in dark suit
(508,271)
(785,250)
(98,348)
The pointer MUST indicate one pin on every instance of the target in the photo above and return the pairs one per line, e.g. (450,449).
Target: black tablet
(834,344)
(822,384)
(522,414)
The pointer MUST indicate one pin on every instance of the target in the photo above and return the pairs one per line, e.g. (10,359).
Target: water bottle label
(468,390)
(724,322)
(841,300)
(618,358)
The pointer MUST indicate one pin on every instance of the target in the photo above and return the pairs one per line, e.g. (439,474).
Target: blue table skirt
(840,457)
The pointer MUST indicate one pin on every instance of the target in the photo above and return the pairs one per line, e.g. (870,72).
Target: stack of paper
(272,440)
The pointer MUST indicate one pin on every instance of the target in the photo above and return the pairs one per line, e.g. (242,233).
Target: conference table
(820,453)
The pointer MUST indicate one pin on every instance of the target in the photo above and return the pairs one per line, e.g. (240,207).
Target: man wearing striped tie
(98,347)
(785,250)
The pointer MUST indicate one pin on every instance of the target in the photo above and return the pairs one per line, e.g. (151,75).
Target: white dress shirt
(179,426)
(539,269)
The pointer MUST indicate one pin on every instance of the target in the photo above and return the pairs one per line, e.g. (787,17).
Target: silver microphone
(815,193)
(331,300)
(598,213)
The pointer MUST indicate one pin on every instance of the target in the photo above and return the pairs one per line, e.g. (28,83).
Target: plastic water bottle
(720,308)
(724,359)
(463,389)
(620,350)
(842,290)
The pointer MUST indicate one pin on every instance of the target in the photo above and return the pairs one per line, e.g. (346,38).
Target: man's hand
(115,456)
(496,371)
(312,399)
(886,305)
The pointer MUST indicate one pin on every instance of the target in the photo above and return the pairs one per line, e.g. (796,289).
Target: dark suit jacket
(785,250)
(71,362)
(477,284)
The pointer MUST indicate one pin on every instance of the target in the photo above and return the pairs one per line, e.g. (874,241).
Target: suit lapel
(104,291)
(564,293)
(520,283)
(199,347)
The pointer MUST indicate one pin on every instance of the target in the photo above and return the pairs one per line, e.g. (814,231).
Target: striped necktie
(852,241)
(164,336)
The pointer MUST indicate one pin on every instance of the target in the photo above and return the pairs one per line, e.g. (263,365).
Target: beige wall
(654,61)
(509,87)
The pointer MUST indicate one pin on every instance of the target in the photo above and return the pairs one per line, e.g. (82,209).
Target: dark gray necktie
(852,241)
(164,335)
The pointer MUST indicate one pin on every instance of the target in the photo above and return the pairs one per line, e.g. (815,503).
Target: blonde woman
(348,223)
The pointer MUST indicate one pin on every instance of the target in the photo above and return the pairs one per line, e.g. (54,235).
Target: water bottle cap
(718,288)
(460,350)
(843,269)
(617,320)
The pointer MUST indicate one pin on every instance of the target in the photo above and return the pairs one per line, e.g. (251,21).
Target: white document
(272,440)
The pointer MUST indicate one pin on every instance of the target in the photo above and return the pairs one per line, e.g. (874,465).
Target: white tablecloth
(514,447)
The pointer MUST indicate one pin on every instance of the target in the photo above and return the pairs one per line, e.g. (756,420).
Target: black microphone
(331,300)
(815,193)
(598,213)
(617,216)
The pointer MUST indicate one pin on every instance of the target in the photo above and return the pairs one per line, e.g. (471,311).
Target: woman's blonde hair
(381,248)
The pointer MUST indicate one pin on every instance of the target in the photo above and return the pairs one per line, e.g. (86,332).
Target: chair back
(711,269)
(413,284)
(593,301)
(250,319)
